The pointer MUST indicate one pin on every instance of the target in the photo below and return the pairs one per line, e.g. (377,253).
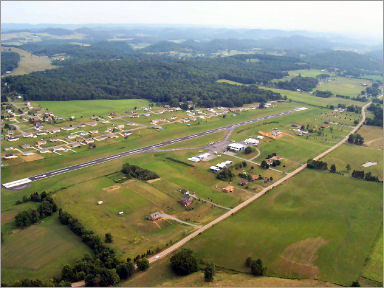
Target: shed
(228,189)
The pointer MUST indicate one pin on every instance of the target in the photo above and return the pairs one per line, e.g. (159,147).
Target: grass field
(373,136)
(342,156)
(304,97)
(314,226)
(161,274)
(39,251)
(343,86)
(306,73)
(374,267)
(29,62)
(87,108)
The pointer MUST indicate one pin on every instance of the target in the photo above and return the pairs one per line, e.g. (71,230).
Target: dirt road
(179,244)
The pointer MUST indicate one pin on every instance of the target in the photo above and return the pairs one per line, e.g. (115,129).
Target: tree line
(134,171)
(46,208)
(9,61)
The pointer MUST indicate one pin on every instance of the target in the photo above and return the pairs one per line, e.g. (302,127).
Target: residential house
(154,216)
(228,189)
(186,201)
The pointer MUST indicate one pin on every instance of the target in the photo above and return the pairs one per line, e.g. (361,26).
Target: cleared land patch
(29,62)
(40,251)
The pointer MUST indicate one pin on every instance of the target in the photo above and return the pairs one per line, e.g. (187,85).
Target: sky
(352,18)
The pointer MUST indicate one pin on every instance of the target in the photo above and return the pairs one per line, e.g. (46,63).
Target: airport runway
(22,183)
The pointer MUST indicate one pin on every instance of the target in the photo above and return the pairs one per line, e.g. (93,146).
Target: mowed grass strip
(88,108)
(342,214)
(40,251)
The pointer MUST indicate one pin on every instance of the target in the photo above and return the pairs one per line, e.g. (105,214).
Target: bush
(142,264)
(108,238)
(184,262)
(319,165)
(225,174)
(257,268)
(248,262)
(125,270)
(249,150)
(209,272)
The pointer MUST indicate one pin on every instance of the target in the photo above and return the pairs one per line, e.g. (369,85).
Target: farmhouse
(186,201)
(67,128)
(45,150)
(99,202)
(92,124)
(236,147)
(27,153)
(100,138)
(228,189)
(154,216)
(243,182)
(203,156)
(41,133)
(260,137)
(127,133)
(194,159)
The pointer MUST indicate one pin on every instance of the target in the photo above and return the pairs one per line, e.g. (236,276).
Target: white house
(194,159)
(251,141)
(236,147)
(260,137)
(214,169)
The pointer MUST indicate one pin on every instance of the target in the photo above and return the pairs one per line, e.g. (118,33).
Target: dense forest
(159,81)
(302,83)
(377,111)
(9,61)
(353,63)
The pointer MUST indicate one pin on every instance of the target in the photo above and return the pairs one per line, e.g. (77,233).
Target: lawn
(39,251)
(318,225)
(87,108)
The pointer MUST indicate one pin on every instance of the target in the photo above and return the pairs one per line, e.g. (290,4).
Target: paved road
(15,185)
(179,244)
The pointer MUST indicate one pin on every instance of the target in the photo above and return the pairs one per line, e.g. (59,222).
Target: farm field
(161,274)
(134,234)
(302,229)
(343,86)
(87,108)
(373,136)
(342,156)
(29,62)
(40,251)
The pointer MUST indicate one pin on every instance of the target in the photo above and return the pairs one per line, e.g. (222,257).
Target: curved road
(16,185)
(179,244)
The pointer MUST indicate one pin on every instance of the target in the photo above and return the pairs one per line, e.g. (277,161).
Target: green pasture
(343,86)
(373,136)
(356,156)
(39,251)
(374,267)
